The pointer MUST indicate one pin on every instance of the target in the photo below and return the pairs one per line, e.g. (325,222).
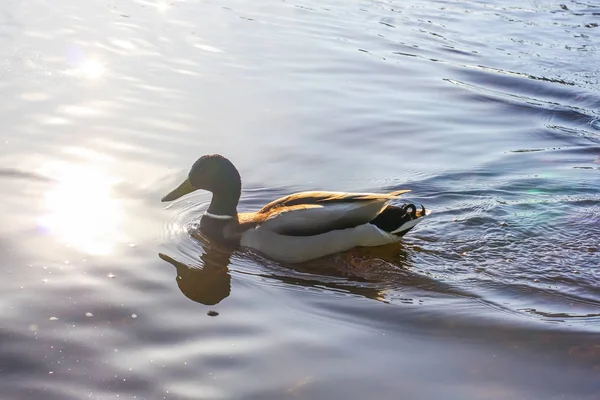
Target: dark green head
(213,173)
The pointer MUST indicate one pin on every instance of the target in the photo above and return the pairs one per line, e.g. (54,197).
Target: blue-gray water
(488,110)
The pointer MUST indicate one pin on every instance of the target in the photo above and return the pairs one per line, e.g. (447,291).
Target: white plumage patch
(295,249)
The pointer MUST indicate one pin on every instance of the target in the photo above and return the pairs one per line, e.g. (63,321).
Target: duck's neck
(224,203)
(226,189)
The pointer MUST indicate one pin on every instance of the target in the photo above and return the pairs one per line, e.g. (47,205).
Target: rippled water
(488,110)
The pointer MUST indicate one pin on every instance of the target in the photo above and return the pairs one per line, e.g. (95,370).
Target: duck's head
(213,173)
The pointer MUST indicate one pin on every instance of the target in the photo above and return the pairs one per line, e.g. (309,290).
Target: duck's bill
(183,189)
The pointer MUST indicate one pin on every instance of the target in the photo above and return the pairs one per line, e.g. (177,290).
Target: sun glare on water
(89,69)
(92,69)
(162,7)
(82,211)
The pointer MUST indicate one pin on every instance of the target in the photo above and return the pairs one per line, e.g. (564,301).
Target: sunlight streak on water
(82,211)
(162,7)
(90,69)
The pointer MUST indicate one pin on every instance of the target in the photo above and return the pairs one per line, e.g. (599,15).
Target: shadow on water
(210,282)
(373,273)
(395,274)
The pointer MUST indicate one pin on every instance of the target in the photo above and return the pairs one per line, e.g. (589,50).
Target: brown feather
(327,197)
(245,222)
(303,201)
(251,220)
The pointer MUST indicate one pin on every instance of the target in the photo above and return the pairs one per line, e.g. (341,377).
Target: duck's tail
(399,220)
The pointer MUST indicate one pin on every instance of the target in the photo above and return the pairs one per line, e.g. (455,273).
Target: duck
(298,227)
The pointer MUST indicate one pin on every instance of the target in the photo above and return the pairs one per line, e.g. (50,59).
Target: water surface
(487,110)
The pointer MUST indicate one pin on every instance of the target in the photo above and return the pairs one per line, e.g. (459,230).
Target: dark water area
(487,110)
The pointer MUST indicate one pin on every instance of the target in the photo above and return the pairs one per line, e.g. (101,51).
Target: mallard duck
(298,227)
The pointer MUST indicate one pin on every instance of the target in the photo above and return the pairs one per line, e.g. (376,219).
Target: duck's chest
(217,230)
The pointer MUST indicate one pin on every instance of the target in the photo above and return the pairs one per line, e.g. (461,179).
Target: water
(487,110)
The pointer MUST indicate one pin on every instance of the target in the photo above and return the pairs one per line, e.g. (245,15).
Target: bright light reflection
(89,69)
(162,7)
(82,211)
(92,69)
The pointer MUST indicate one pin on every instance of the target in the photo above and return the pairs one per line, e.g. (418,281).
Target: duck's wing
(322,198)
(313,213)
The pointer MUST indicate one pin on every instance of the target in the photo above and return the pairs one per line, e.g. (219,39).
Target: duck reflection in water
(208,284)
(366,272)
